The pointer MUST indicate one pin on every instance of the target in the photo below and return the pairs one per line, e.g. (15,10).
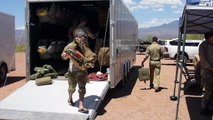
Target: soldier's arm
(202,55)
(64,55)
(146,56)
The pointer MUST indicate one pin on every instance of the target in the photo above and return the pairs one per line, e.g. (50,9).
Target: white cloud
(20,28)
(156,22)
(130,2)
(158,9)
(178,11)
(155,5)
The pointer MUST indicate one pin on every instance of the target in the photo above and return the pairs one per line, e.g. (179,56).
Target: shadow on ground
(193,102)
(120,90)
(193,105)
(11,80)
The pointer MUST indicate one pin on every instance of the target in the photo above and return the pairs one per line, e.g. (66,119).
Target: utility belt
(154,60)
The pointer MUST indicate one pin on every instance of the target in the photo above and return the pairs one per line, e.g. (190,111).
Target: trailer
(48,22)
(7,45)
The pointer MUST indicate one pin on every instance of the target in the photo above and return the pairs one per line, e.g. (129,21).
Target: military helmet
(79,32)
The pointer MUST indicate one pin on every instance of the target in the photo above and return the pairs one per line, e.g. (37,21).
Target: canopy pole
(174,97)
(181,66)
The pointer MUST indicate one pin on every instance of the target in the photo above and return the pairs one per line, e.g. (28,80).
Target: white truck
(191,49)
(50,20)
(7,45)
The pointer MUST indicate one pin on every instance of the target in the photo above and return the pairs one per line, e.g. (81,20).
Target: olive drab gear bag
(104,56)
(83,59)
(143,74)
(90,58)
(44,71)
(43,81)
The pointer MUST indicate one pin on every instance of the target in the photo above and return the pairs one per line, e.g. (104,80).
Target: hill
(165,31)
(20,36)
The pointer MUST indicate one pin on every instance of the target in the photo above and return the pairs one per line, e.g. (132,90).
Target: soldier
(78,54)
(206,60)
(155,52)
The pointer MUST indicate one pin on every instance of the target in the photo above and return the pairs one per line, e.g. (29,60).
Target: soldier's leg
(151,68)
(72,85)
(207,94)
(82,80)
(156,77)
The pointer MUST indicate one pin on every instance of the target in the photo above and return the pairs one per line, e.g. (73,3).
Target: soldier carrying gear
(81,58)
(155,52)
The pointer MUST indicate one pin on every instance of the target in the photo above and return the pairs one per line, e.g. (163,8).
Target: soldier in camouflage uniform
(77,51)
(206,60)
(155,52)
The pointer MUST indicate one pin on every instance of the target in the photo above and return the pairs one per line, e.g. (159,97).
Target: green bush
(21,48)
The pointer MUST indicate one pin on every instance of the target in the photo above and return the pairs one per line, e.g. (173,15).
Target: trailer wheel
(124,79)
(3,72)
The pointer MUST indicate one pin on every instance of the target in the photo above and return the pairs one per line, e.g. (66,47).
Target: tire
(185,59)
(3,73)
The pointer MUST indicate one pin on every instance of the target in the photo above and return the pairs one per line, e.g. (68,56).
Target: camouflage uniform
(82,59)
(206,59)
(77,73)
(155,53)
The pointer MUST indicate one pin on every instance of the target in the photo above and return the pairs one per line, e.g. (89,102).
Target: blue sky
(148,13)
(15,8)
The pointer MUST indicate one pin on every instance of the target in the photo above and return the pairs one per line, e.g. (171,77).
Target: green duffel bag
(43,81)
(143,74)
(41,70)
(52,75)
(35,76)
(50,68)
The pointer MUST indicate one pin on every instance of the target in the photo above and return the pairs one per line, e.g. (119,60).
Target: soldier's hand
(70,51)
(64,56)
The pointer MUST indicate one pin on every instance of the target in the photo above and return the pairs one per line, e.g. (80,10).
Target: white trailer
(115,25)
(7,45)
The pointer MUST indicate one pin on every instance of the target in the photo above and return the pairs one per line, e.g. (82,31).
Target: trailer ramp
(31,102)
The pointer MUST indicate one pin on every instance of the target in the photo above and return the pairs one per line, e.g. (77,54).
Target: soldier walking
(154,51)
(77,51)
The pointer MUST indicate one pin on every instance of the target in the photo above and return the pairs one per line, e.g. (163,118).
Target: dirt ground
(133,101)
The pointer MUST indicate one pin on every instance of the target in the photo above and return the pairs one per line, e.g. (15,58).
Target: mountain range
(20,36)
(165,31)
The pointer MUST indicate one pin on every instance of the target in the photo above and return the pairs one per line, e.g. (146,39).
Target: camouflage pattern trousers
(80,78)
(207,82)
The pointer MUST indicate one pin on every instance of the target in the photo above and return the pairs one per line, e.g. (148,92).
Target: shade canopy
(196,19)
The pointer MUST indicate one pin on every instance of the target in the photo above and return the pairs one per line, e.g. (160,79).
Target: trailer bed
(34,102)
